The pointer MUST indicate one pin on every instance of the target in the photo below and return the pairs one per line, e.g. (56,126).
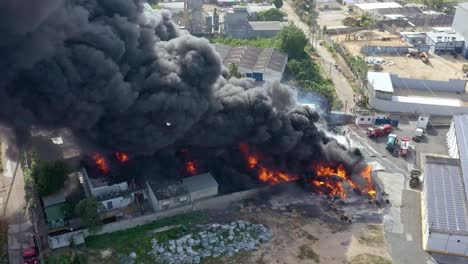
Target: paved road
(342,87)
(14,209)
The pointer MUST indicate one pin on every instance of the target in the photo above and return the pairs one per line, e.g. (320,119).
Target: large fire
(330,180)
(121,156)
(101,163)
(264,174)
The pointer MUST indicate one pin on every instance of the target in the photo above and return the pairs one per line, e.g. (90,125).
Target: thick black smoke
(119,74)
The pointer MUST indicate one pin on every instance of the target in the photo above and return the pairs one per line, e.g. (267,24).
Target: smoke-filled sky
(119,74)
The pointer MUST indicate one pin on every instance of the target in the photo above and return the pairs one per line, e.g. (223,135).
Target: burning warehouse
(124,80)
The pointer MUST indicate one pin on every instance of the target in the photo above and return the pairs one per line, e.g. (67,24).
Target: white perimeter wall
(403,107)
(117,202)
(204,193)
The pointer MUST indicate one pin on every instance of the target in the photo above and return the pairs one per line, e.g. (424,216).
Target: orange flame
(326,181)
(101,163)
(264,174)
(333,187)
(191,168)
(121,156)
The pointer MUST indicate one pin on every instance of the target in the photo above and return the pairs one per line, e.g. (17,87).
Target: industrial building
(391,93)
(111,192)
(237,24)
(441,40)
(369,7)
(460,25)
(444,204)
(445,194)
(166,195)
(260,64)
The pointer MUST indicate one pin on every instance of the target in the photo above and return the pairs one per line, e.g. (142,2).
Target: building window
(109,205)
(458,241)
(362,118)
(368,119)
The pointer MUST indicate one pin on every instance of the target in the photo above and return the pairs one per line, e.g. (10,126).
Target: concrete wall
(426,85)
(368,119)
(204,193)
(401,107)
(117,202)
(367,50)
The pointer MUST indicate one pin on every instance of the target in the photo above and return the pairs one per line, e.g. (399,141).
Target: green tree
(278,3)
(49,176)
(293,42)
(234,71)
(271,15)
(87,210)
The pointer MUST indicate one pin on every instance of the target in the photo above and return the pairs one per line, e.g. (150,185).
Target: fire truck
(379,131)
(30,252)
(404,146)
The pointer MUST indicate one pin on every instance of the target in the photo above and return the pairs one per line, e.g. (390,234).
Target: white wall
(402,107)
(204,193)
(117,202)
(368,119)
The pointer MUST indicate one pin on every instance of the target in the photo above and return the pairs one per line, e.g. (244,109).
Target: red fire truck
(30,252)
(379,131)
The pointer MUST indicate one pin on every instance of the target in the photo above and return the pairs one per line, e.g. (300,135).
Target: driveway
(343,89)
(14,203)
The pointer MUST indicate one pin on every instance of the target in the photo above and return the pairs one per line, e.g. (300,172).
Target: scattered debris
(214,241)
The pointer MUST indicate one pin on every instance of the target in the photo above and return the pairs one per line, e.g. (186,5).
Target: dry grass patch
(369,259)
(372,236)
(306,252)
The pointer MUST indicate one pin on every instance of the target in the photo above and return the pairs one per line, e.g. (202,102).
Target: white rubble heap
(215,240)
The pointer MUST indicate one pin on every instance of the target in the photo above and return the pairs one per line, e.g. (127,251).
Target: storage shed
(201,186)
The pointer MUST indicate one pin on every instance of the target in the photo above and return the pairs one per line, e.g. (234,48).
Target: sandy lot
(440,67)
(332,18)
(299,237)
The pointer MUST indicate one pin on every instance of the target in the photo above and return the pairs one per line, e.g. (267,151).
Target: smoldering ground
(120,75)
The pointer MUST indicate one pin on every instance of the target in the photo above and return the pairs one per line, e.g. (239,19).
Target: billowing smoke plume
(119,74)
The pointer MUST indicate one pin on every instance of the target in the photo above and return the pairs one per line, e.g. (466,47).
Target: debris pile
(214,241)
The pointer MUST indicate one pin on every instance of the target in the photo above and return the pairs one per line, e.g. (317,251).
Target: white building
(390,93)
(460,25)
(110,195)
(201,186)
(368,7)
(164,195)
(445,195)
(444,206)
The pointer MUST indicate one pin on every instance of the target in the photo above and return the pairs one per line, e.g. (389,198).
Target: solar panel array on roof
(445,199)
(461,130)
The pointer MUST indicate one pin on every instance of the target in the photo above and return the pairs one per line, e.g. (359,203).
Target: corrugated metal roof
(445,198)
(381,81)
(54,199)
(199,182)
(252,58)
(461,132)
(266,25)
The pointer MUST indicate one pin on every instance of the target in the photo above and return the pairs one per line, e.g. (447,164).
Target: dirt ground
(332,18)
(303,234)
(442,68)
